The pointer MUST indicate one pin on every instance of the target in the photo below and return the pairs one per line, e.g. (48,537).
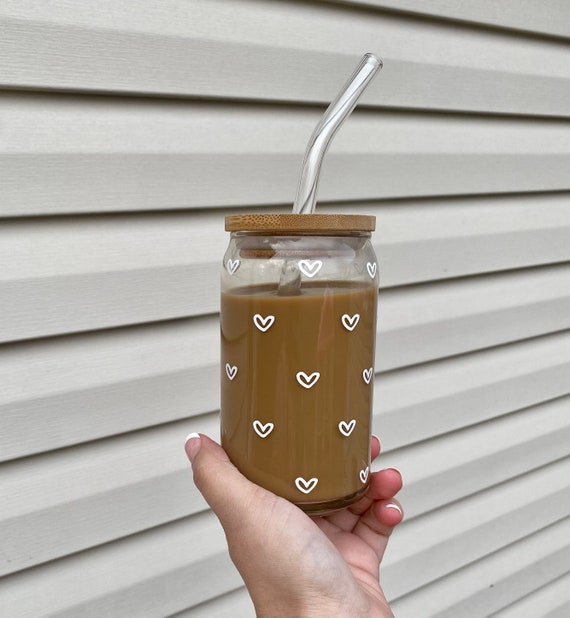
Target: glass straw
(336,113)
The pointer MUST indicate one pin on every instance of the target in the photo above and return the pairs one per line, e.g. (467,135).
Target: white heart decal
(262,430)
(350,322)
(231,371)
(346,428)
(371,268)
(367,375)
(232,266)
(263,323)
(306,486)
(307,381)
(310,267)
(364,474)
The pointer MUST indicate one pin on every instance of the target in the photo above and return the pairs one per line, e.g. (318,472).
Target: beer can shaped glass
(298,330)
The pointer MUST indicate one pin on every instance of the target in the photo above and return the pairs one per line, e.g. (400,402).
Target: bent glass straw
(337,112)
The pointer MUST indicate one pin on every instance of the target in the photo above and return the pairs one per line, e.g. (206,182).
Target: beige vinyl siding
(554,596)
(545,17)
(127,155)
(262,50)
(127,131)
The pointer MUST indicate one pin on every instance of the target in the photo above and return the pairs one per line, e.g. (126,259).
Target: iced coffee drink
(298,330)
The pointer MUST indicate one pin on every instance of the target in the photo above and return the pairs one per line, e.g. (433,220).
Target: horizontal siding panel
(442,541)
(101,182)
(432,321)
(537,16)
(65,154)
(67,501)
(133,378)
(464,462)
(122,381)
(236,604)
(418,403)
(70,274)
(551,601)
(69,124)
(287,51)
(494,581)
(70,500)
(156,573)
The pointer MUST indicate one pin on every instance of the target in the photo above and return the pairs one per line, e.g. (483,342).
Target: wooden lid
(300,223)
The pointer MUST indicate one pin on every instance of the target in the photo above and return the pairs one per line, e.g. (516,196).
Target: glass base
(318,509)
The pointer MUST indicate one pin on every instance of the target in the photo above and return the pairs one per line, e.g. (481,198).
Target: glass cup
(298,330)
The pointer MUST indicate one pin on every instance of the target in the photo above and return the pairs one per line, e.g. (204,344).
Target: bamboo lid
(275,223)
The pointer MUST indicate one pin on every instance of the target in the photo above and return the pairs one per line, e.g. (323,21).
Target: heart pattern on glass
(350,322)
(231,371)
(232,266)
(306,486)
(310,267)
(307,381)
(262,430)
(263,323)
(347,428)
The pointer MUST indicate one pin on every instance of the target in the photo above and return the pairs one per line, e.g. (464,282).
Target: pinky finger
(388,514)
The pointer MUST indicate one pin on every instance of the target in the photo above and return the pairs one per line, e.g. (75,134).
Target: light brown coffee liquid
(297,387)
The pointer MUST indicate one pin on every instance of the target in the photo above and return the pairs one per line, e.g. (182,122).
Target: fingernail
(395,470)
(192,445)
(375,436)
(394,506)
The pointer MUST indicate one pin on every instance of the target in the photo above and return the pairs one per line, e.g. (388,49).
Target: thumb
(267,536)
(223,486)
